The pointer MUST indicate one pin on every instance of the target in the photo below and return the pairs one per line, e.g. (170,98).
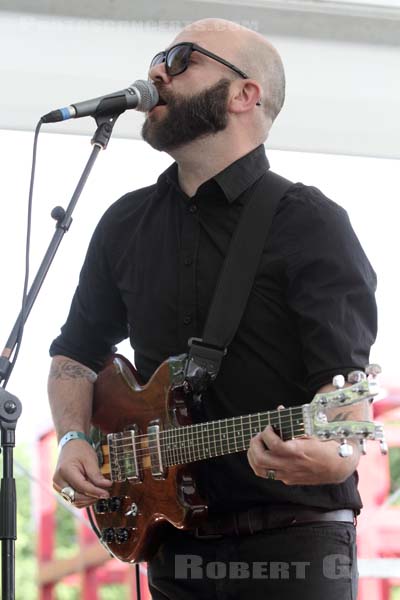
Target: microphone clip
(105,125)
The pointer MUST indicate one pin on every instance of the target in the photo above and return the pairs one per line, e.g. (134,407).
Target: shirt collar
(241,174)
(233,180)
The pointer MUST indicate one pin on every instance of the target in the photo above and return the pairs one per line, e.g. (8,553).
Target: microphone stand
(10,406)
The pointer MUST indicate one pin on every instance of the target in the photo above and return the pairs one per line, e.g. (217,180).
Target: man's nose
(159,73)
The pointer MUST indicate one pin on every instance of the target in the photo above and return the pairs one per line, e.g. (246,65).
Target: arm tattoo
(71,370)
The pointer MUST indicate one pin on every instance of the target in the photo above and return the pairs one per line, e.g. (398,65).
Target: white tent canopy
(342,63)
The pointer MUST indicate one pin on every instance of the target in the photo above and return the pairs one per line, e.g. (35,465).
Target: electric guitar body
(148,446)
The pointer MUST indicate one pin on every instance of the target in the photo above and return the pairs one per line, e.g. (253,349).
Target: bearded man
(150,274)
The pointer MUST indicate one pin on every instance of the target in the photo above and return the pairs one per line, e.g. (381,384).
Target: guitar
(146,442)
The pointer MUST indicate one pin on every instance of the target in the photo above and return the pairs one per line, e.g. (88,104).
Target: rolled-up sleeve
(331,289)
(97,317)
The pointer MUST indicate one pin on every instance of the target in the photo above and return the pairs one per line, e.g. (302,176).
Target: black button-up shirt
(150,274)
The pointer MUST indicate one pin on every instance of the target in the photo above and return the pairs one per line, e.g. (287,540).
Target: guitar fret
(215,439)
(291,422)
(168,446)
(173,456)
(186,443)
(249,434)
(196,444)
(280,424)
(192,444)
(227,439)
(209,439)
(175,446)
(224,447)
(199,441)
(257,428)
(203,442)
(180,447)
(172,447)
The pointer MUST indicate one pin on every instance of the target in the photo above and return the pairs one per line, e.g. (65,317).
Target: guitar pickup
(123,456)
(156,460)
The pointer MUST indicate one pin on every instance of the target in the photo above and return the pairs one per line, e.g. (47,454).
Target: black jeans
(314,561)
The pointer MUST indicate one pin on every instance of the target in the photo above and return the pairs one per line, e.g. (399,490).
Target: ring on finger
(68,494)
(271,474)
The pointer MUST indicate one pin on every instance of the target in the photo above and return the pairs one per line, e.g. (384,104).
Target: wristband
(74,435)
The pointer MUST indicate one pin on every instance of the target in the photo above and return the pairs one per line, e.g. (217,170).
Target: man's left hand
(301,461)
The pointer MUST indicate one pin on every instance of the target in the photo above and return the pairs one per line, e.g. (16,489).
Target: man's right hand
(77,467)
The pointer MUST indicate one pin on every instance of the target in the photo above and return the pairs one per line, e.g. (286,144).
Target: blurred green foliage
(394,464)
(26,544)
(66,539)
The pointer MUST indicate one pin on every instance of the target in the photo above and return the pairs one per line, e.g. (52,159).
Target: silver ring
(68,494)
(271,474)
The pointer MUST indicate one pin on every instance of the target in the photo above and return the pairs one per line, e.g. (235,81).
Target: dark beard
(189,118)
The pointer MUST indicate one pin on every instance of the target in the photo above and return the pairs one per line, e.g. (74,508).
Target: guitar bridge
(156,460)
(123,457)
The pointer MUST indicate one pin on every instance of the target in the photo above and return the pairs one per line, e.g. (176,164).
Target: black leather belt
(260,519)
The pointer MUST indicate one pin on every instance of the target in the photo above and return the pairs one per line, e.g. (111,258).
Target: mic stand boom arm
(10,406)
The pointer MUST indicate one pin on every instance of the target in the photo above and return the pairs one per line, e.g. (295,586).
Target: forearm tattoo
(71,370)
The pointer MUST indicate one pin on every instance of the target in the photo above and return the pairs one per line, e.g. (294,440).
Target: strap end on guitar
(203,363)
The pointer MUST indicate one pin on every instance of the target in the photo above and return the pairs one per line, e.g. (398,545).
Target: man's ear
(245,96)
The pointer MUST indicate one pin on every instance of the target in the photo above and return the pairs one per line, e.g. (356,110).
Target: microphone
(141,95)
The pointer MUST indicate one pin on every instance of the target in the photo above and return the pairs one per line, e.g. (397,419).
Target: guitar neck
(191,443)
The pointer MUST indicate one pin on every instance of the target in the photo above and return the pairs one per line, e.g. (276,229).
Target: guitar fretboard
(200,441)
(192,443)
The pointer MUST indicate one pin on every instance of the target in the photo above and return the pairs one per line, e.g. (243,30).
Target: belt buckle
(204,536)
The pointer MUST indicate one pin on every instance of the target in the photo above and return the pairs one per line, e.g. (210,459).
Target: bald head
(248,50)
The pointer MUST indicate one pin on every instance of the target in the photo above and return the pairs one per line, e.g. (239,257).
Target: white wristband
(74,435)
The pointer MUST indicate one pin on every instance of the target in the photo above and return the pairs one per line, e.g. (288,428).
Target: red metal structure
(379,523)
(92,567)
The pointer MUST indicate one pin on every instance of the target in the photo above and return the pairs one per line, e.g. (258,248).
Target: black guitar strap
(236,280)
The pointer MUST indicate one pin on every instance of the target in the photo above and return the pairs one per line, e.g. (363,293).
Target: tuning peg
(383,446)
(373,370)
(345,450)
(356,377)
(363,446)
(338,381)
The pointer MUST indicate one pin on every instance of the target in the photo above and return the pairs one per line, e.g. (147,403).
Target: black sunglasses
(177,59)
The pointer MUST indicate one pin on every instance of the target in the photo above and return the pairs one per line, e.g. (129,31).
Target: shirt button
(187,320)
(188,261)
(193,208)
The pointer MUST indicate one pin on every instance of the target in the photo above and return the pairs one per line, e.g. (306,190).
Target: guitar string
(173,456)
(298,430)
(183,434)
(122,469)
(181,452)
(215,428)
(283,418)
(212,433)
(202,451)
(281,415)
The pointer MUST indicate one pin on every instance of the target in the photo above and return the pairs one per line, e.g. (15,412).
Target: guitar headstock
(346,412)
